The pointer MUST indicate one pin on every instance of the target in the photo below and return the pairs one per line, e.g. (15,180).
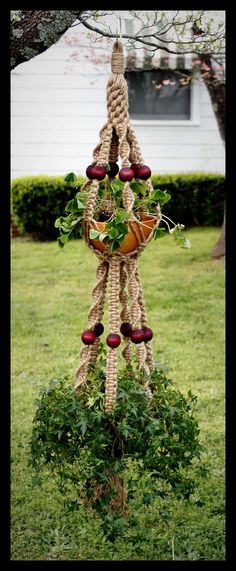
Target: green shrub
(196,199)
(104,456)
(37,201)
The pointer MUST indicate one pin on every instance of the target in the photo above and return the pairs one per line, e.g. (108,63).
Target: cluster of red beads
(113,340)
(126,174)
(141,171)
(136,335)
(89,335)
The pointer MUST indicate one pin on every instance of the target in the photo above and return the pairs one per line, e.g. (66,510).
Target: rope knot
(117,58)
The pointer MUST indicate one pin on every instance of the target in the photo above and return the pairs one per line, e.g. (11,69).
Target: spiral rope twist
(136,316)
(125,312)
(88,354)
(113,307)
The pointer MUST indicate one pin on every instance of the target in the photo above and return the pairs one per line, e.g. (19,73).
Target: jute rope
(113,153)
(99,293)
(113,307)
(135,153)
(125,312)
(89,352)
(144,322)
(136,315)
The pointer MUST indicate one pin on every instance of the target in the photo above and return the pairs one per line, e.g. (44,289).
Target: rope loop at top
(117,58)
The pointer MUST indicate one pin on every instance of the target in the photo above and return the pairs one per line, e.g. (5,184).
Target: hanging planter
(115,415)
(117,212)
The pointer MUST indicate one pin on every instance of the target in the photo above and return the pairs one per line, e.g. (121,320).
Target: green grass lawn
(51,295)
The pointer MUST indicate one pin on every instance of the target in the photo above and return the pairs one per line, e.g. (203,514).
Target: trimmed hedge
(37,201)
(197,199)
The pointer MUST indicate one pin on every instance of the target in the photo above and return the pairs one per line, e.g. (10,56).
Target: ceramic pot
(130,242)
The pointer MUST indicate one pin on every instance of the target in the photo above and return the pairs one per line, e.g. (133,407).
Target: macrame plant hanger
(117,274)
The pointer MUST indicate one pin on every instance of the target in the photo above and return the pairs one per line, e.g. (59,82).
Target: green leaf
(80,205)
(117,185)
(158,233)
(70,177)
(62,240)
(65,228)
(122,228)
(114,232)
(102,236)
(74,222)
(93,234)
(115,245)
(82,196)
(74,205)
(58,222)
(160,196)
(83,427)
(121,216)
(138,188)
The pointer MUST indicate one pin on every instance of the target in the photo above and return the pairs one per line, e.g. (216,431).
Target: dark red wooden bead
(97,172)
(137,335)
(114,169)
(143,172)
(126,174)
(88,337)
(113,340)
(126,328)
(134,168)
(148,334)
(88,171)
(98,329)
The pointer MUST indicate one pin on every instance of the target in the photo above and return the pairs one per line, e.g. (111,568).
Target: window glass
(159,94)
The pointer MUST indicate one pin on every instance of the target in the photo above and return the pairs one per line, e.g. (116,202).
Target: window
(159,94)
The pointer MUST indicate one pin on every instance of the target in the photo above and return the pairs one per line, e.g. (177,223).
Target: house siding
(58,106)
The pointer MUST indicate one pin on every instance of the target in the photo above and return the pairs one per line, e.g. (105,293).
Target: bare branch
(193,47)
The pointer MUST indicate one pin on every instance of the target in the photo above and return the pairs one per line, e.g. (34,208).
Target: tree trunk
(219,248)
(216,90)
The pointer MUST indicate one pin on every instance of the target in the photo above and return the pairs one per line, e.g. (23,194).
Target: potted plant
(113,227)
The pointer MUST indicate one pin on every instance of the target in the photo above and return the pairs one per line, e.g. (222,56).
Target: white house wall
(58,106)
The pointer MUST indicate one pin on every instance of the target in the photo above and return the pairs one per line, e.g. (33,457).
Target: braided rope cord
(113,153)
(136,317)
(144,322)
(100,291)
(113,307)
(135,312)
(89,352)
(125,312)
(97,149)
(135,152)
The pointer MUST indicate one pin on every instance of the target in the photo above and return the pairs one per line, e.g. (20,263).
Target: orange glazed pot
(130,243)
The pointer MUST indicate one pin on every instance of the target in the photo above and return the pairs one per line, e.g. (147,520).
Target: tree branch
(196,49)
(33,31)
